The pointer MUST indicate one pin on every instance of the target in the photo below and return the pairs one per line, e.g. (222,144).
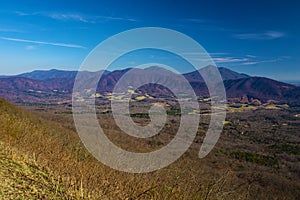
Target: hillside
(29,147)
(22,178)
(259,88)
(52,147)
(50,155)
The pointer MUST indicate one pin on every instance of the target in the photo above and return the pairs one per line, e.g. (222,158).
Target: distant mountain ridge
(296,83)
(48,74)
(225,73)
(57,85)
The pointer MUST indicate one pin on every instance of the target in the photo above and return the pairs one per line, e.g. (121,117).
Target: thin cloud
(249,63)
(30,47)
(196,20)
(217,57)
(268,35)
(10,30)
(225,58)
(76,17)
(68,17)
(229,60)
(272,60)
(199,53)
(20,13)
(239,61)
(57,16)
(251,56)
(117,18)
(44,43)
(204,24)
(221,60)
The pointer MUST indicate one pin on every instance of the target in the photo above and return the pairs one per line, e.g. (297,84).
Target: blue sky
(255,37)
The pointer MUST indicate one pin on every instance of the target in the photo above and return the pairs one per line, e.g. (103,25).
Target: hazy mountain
(57,85)
(48,74)
(293,94)
(19,89)
(258,87)
(296,83)
(225,73)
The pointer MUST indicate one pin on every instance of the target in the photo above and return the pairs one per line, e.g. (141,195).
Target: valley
(256,157)
(149,100)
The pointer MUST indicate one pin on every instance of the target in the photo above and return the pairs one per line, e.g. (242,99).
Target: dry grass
(56,156)
(22,178)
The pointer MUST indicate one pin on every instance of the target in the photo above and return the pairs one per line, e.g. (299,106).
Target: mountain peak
(20,88)
(226,74)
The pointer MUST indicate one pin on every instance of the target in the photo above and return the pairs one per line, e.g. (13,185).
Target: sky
(260,38)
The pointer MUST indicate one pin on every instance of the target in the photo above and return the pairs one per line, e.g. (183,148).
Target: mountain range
(57,85)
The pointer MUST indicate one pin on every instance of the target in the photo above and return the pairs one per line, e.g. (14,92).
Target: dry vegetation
(22,178)
(249,162)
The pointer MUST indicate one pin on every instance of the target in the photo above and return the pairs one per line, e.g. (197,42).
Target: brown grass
(21,177)
(58,152)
